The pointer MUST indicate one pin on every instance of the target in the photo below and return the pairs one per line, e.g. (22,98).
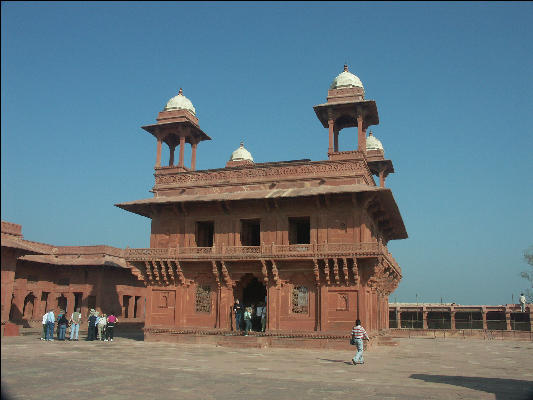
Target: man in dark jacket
(237,310)
(92,325)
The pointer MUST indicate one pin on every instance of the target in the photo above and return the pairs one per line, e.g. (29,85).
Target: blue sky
(452,81)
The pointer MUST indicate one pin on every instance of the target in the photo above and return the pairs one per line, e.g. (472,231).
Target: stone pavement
(419,368)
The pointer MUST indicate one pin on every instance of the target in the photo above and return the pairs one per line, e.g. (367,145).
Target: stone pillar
(398,317)
(331,123)
(158,156)
(530,318)
(171,158)
(38,312)
(381,178)
(336,140)
(70,303)
(18,303)
(193,156)
(323,307)
(182,151)
(147,316)
(424,318)
(84,309)
(484,316)
(131,306)
(507,319)
(361,134)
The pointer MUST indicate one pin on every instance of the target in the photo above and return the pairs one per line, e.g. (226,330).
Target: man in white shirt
(50,321)
(45,319)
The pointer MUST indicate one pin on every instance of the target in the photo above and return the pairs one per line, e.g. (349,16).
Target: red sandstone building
(308,237)
(38,277)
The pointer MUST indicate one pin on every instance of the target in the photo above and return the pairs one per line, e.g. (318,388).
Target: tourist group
(101,327)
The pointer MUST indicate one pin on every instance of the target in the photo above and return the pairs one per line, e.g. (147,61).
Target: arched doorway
(27,311)
(252,293)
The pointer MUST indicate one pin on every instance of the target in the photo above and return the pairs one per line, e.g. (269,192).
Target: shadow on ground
(503,389)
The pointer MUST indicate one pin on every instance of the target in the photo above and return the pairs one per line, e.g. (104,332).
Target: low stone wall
(462,333)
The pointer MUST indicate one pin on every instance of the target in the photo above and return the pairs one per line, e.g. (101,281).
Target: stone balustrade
(265,251)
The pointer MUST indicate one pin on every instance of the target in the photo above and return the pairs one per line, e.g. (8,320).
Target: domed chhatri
(180,102)
(373,143)
(241,154)
(346,80)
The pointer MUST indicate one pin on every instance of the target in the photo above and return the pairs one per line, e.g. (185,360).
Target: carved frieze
(257,174)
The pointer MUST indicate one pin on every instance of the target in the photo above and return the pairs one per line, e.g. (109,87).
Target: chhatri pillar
(177,125)
(346,107)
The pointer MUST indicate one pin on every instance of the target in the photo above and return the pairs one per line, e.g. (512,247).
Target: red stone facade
(38,277)
(308,237)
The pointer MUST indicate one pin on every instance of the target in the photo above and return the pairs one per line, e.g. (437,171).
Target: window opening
(250,232)
(300,300)
(299,230)
(203,299)
(205,231)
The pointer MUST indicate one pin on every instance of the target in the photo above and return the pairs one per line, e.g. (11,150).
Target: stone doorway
(251,292)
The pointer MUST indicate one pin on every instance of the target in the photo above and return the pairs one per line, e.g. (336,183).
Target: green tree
(528,275)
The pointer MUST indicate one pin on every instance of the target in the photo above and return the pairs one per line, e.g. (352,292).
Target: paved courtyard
(133,369)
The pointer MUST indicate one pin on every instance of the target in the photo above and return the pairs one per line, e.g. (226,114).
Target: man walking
(358,335)
(75,320)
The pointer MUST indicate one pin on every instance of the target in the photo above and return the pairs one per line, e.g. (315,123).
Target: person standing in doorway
(75,320)
(358,335)
(237,310)
(247,320)
(263,317)
(522,302)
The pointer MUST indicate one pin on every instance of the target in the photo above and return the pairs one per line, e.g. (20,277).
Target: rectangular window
(77,300)
(126,306)
(205,231)
(250,232)
(299,230)
(300,300)
(203,299)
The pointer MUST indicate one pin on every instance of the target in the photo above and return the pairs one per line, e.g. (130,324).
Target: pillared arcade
(309,238)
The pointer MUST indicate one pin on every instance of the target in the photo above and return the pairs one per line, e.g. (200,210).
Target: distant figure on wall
(358,335)
(522,302)
(237,310)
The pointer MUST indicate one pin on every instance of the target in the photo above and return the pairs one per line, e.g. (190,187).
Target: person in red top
(358,335)
(111,321)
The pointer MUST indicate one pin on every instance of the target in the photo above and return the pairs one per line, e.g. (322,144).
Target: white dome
(345,80)
(180,102)
(241,154)
(373,143)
